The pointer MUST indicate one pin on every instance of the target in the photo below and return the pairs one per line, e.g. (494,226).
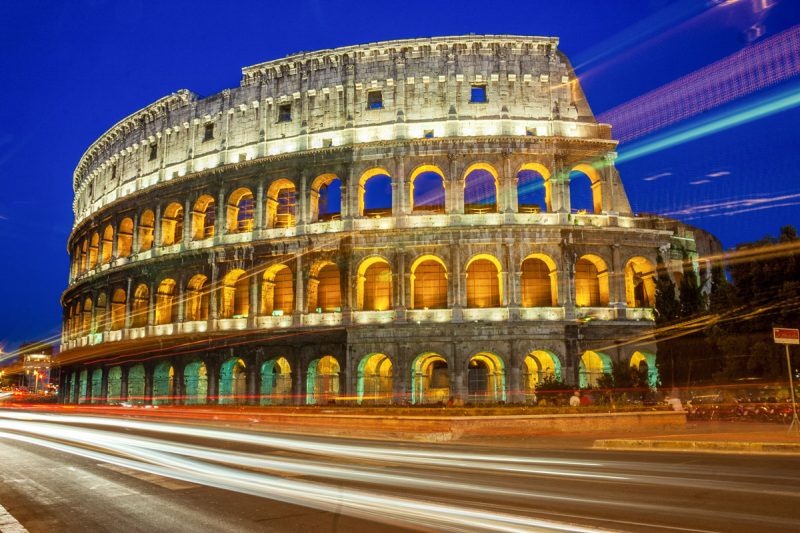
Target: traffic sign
(786,335)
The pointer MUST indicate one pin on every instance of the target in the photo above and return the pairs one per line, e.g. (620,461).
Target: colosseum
(405,221)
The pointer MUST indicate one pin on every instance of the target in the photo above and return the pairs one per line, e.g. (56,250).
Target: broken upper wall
(328,98)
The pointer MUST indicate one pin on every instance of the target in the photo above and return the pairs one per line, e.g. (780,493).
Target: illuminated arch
(86,317)
(84,254)
(325,194)
(538,367)
(595,183)
(480,193)
(101,312)
(204,217)
(430,379)
(486,380)
(235,294)
(125,238)
(146,227)
(240,211)
(322,380)
(276,382)
(591,367)
(195,379)
(640,285)
(277,291)
(324,288)
(645,364)
(163,383)
(591,282)
(94,246)
(484,281)
(83,380)
(118,300)
(114,385)
(281,204)
(375,379)
(165,302)
(376,211)
(141,306)
(197,296)
(232,382)
(172,224)
(136,376)
(428,283)
(107,245)
(374,285)
(534,193)
(422,199)
(539,280)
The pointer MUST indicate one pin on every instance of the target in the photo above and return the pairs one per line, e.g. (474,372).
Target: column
(115,241)
(135,236)
(151,305)
(299,383)
(148,384)
(255,303)
(299,293)
(178,385)
(188,220)
(123,386)
(157,229)
(181,298)
(104,386)
(221,218)
(212,369)
(260,205)
(213,313)
(128,304)
(76,386)
(252,383)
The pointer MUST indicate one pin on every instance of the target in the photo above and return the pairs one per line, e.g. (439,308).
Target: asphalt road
(105,474)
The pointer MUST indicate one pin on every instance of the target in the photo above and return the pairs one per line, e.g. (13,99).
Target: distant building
(36,361)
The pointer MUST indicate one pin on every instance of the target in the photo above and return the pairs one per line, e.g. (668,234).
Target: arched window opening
(125,238)
(427,190)
(375,194)
(172,225)
(644,365)
(235,295)
(375,379)
(276,382)
(136,384)
(241,211)
(232,382)
(84,253)
(281,204)
(94,246)
(77,322)
(585,190)
(326,198)
(197,296)
(204,216)
(322,381)
(480,189)
(163,384)
(165,302)
(101,312)
(86,326)
(539,282)
(534,191)
(591,282)
(108,244)
(141,306)
(640,286)
(428,284)
(118,309)
(374,288)
(324,290)
(540,366)
(486,379)
(195,379)
(76,268)
(277,291)
(483,283)
(83,382)
(430,379)
(115,385)
(146,226)
(592,367)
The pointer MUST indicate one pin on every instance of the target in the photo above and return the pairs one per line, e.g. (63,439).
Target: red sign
(786,335)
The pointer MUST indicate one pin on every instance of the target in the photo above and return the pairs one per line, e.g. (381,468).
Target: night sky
(71,70)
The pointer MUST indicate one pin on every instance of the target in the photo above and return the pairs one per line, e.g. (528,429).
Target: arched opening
(486,380)
(277,291)
(430,379)
(197,294)
(136,384)
(538,367)
(86,325)
(276,382)
(428,283)
(94,247)
(591,368)
(235,295)
(83,385)
(195,379)
(426,190)
(480,189)
(539,282)
(115,385)
(281,204)
(101,312)
(77,323)
(375,194)
(141,306)
(165,302)
(125,238)
(163,384)
(84,252)
(322,381)
(172,225)
(146,226)
(591,282)
(97,385)
(241,211)
(232,382)
(326,198)
(324,289)
(118,309)
(76,267)
(640,285)
(374,379)
(374,285)
(644,364)
(484,284)
(534,190)
(585,190)
(107,245)
(204,216)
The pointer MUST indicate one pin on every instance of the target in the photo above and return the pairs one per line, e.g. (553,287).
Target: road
(77,473)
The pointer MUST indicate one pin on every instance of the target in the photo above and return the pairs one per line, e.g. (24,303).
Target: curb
(780,448)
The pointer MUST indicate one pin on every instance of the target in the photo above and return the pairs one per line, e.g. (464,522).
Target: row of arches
(272,293)
(274,382)
(240,210)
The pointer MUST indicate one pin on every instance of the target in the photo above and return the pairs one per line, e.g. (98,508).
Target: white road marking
(161,481)
(9,524)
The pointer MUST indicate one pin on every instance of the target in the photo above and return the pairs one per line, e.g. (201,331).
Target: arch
(165,302)
(276,382)
(372,197)
(172,224)
(77,322)
(430,379)
(232,382)
(645,364)
(147,222)
(136,377)
(324,288)
(97,385)
(539,366)
(204,217)
(534,189)
(640,285)
(591,367)
(583,199)
(374,285)
(375,380)
(84,253)
(141,306)
(539,280)
(326,198)
(277,291)
(94,248)
(481,186)
(195,379)
(322,380)
(591,282)
(163,383)
(101,312)
(427,189)
(484,281)
(428,283)
(125,237)
(115,385)
(86,317)
(486,381)
(281,204)
(235,294)
(240,211)
(197,295)
(118,300)
(107,245)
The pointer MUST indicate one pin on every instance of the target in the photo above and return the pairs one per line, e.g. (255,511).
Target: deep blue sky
(71,70)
